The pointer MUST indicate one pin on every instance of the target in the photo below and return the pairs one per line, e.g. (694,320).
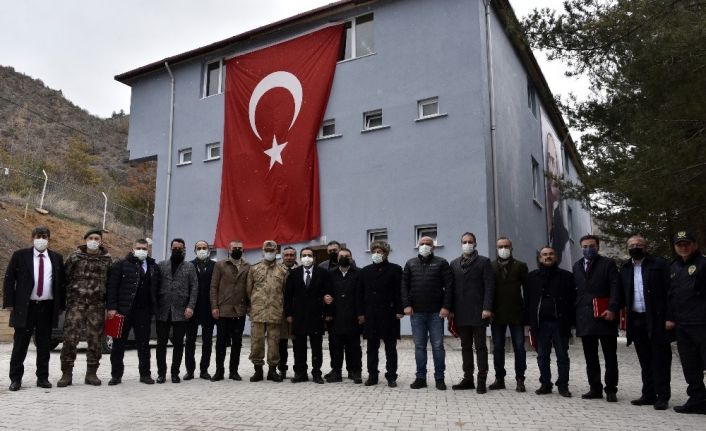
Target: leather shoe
(176,379)
(43,384)
(235,376)
(564,392)
(116,381)
(161,379)
(464,384)
(217,377)
(544,390)
(317,379)
(299,378)
(392,383)
(642,401)
(372,381)
(15,386)
(418,384)
(440,384)
(148,380)
(661,405)
(592,395)
(189,376)
(497,384)
(204,375)
(611,397)
(691,409)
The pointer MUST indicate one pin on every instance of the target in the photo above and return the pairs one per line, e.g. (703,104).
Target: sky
(78,46)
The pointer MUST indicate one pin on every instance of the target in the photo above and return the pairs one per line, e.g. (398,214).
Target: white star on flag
(275,152)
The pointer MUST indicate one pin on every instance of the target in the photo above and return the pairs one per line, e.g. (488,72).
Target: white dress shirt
(638,302)
(47,292)
(311,273)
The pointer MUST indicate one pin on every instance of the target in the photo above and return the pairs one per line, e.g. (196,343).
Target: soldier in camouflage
(265,291)
(86,277)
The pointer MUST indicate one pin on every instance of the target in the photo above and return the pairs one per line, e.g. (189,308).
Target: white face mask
(504,253)
(41,244)
(92,244)
(140,254)
(202,254)
(378,257)
(307,261)
(468,248)
(270,256)
(425,250)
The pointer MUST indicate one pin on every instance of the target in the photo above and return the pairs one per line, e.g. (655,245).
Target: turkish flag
(275,101)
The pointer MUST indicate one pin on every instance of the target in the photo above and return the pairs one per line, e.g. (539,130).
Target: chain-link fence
(71,201)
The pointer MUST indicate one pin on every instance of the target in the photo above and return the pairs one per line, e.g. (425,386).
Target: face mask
(589,253)
(504,253)
(177,254)
(378,257)
(344,261)
(236,253)
(202,254)
(41,244)
(140,254)
(307,261)
(637,253)
(270,256)
(92,244)
(333,256)
(425,250)
(468,248)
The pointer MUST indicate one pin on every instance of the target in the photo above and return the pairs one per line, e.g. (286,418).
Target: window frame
(532,98)
(371,235)
(368,116)
(221,78)
(419,232)
(352,24)
(536,186)
(209,147)
(181,154)
(328,122)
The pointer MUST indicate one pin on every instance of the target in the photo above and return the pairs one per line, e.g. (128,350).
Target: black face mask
(637,253)
(344,261)
(177,255)
(333,256)
(236,253)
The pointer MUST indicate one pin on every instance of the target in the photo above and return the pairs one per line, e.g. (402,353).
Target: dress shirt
(47,291)
(638,303)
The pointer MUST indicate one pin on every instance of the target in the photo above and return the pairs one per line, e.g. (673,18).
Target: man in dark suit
(202,316)
(304,307)
(597,278)
(645,280)
(35,293)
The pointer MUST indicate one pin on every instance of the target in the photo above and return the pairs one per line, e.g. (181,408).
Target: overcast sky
(77,46)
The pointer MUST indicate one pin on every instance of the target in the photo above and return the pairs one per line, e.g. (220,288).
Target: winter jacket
(687,292)
(265,291)
(124,280)
(473,289)
(228,288)
(427,284)
(87,276)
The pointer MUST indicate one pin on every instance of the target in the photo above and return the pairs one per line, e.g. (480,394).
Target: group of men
(302,301)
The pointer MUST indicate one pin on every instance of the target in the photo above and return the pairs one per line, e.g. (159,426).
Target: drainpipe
(169,164)
(491,105)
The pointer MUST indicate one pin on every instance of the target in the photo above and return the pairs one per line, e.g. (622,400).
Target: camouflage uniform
(265,290)
(86,277)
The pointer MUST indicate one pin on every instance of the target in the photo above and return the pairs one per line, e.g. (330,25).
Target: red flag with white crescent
(275,99)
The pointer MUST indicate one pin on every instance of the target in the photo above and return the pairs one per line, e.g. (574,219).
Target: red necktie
(40,276)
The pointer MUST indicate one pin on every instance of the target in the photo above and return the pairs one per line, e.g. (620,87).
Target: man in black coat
(132,292)
(686,311)
(344,329)
(597,280)
(549,308)
(645,281)
(35,293)
(304,307)
(474,291)
(381,302)
(202,316)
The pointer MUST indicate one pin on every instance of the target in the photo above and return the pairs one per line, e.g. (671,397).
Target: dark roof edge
(514,32)
(317,13)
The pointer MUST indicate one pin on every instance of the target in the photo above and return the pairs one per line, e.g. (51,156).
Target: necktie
(588,266)
(40,276)
(307,279)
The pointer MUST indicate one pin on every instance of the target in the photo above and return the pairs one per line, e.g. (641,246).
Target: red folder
(532,339)
(600,305)
(623,319)
(114,327)
(452,328)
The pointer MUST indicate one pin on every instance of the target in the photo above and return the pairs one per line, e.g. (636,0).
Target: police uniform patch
(692,269)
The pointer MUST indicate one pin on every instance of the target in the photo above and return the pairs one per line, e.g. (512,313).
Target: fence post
(105,208)
(41,209)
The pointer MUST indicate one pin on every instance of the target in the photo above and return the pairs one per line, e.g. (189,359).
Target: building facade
(439,122)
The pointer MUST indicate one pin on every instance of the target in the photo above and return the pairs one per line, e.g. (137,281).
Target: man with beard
(549,309)
(176,299)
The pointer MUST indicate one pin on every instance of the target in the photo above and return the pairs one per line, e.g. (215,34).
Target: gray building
(439,122)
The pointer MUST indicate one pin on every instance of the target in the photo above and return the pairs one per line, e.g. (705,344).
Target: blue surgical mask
(589,253)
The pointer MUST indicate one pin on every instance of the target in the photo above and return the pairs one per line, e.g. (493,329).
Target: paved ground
(225,405)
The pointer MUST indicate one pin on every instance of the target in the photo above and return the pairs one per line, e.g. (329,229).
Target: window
(567,162)
(328,129)
(358,38)
(214,79)
(425,230)
(185,156)
(531,97)
(535,181)
(213,151)
(376,235)
(428,107)
(570,222)
(372,120)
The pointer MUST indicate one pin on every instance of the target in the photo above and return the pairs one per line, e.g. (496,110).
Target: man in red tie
(34,292)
